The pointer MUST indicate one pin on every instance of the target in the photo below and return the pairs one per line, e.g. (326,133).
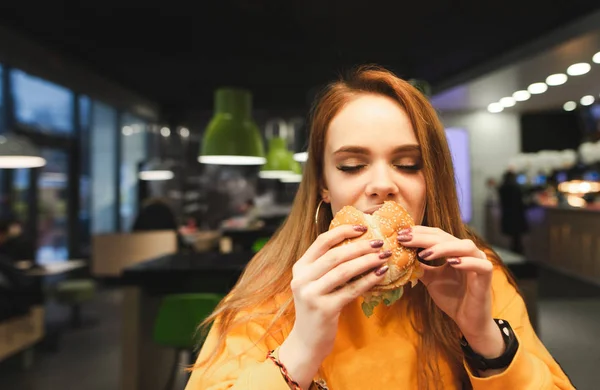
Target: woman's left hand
(461,287)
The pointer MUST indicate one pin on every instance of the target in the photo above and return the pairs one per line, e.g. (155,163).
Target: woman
(374,138)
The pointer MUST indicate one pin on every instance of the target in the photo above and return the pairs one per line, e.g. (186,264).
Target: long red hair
(269,273)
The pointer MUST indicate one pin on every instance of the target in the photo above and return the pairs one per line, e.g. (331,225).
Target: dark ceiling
(177,54)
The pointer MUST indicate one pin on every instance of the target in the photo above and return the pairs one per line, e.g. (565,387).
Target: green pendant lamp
(232,137)
(296,175)
(279,159)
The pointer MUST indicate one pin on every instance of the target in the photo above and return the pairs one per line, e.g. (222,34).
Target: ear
(325,195)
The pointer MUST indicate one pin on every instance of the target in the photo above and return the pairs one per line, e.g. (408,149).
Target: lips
(372,209)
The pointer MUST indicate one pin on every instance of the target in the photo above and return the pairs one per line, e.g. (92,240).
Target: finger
(336,256)
(345,272)
(423,236)
(472,264)
(356,288)
(452,248)
(329,239)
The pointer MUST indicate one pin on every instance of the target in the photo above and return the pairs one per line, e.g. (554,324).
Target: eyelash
(356,168)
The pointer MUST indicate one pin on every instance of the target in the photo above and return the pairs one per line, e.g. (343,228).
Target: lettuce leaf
(388,298)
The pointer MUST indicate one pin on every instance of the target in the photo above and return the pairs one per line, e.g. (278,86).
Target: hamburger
(384,224)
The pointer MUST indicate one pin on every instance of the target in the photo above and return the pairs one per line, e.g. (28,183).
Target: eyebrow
(365,151)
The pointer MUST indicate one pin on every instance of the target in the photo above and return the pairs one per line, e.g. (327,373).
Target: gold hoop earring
(317,212)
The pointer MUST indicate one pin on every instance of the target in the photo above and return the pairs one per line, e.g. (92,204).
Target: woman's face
(372,155)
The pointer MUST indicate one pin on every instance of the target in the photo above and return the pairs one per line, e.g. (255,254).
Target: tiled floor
(88,359)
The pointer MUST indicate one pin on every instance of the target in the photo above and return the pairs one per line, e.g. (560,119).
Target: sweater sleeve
(243,363)
(532,367)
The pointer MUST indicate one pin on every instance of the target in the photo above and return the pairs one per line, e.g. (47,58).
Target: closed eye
(412,167)
(350,168)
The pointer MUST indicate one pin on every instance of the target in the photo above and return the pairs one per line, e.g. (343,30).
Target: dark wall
(552,130)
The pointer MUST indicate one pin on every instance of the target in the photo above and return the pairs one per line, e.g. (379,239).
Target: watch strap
(479,362)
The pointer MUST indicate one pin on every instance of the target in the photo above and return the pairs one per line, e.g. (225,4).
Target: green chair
(75,292)
(176,324)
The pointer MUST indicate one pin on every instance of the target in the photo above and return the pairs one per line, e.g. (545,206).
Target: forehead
(370,121)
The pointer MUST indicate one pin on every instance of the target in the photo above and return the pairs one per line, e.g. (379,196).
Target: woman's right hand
(322,285)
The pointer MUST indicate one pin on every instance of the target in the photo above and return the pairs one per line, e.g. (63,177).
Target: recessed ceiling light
(537,88)
(596,58)
(587,100)
(570,106)
(556,79)
(579,69)
(507,101)
(521,96)
(495,108)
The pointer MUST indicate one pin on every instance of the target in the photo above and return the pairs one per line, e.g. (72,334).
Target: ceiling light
(556,79)
(587,100)
(165,132)
(537,88)
(596,58)
(521,96)
(495,108)
(579,69)
(507,102)
(570,106)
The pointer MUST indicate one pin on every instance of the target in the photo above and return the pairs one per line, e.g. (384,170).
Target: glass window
(85,206)
(53,236)
(103,149)
(134,137)
(2,122)
(42,104)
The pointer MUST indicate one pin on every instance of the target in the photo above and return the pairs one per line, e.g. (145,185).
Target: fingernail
(425,254)
(380,271)
(404,237)
(360,228)
(405,232)
(385,254)
(376,243)
(453,260)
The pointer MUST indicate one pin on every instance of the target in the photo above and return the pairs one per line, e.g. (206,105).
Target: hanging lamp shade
(280,160)
(18,152)
(295,176)
(156,171)
(232,137)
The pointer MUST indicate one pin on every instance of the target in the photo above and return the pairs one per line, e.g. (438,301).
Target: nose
(381,184)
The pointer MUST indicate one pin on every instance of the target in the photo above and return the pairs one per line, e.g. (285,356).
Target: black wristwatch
(478,362)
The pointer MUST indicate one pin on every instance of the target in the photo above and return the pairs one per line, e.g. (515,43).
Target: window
(134,135)
(103,160)
(40,104)
(85,206)
(2,119)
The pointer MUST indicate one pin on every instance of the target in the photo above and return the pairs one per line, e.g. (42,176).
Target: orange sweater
(379,352)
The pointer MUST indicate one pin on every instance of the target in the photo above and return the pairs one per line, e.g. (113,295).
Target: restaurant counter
(566,239)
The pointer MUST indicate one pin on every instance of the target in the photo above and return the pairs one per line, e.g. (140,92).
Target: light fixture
(155,171)
(507,101)
(295,176)
(301,157)
(569,106)
(232,137)
(587,100)
(18,152)
(495,108)
(578,69)
(596,58)
(556,79)
(521,96)
(537,88)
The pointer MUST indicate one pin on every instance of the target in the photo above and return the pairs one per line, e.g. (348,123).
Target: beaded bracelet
(292,383)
